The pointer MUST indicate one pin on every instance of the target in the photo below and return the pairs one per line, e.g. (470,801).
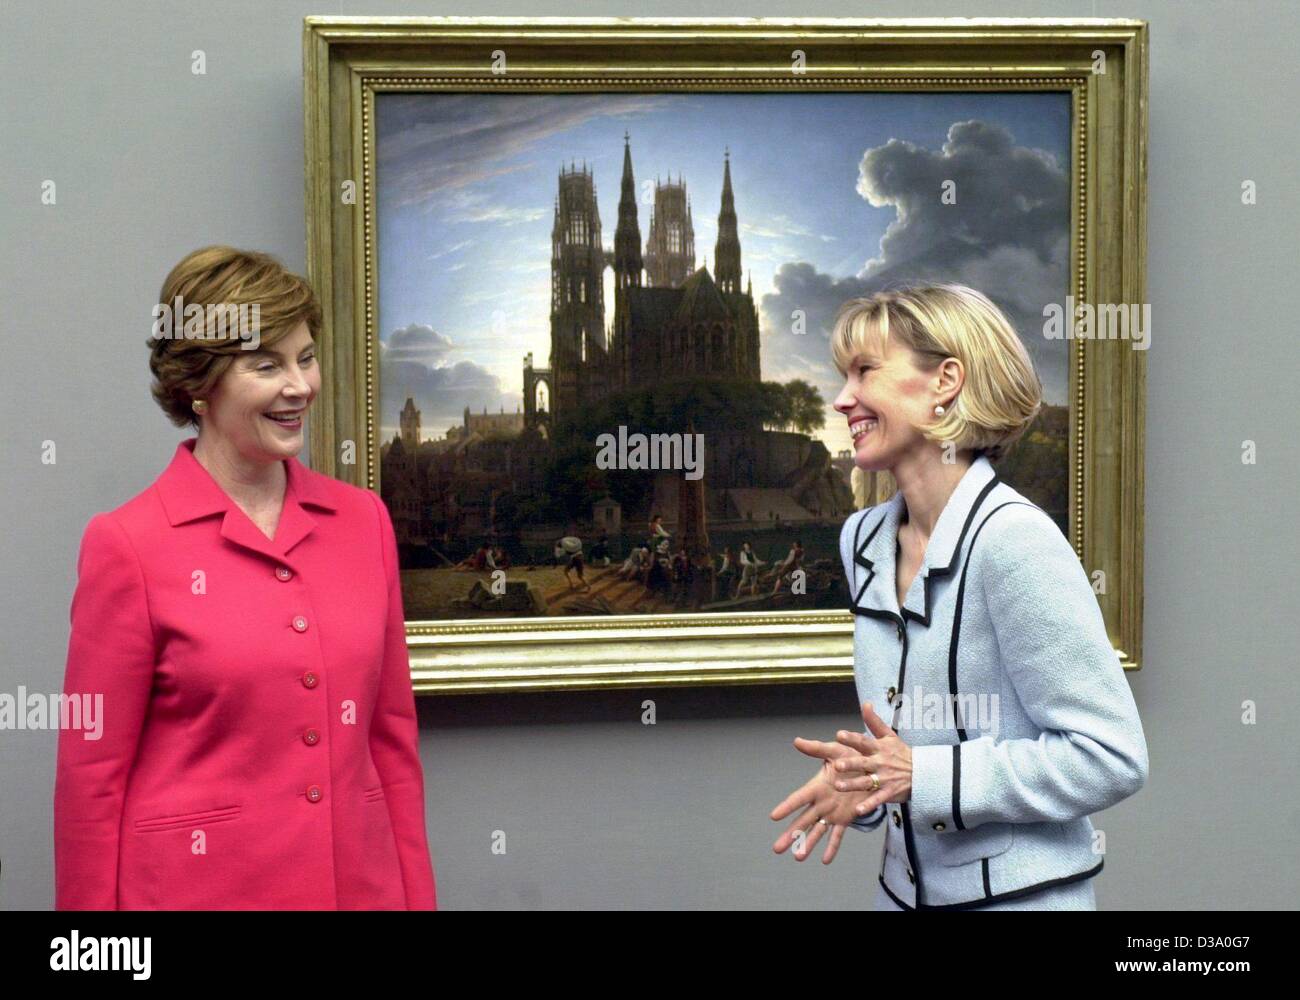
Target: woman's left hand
(883,754)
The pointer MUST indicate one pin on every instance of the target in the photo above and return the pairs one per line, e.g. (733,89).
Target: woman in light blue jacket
(998,716)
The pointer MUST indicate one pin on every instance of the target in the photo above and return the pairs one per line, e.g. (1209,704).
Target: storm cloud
(419,362)
(1007,234)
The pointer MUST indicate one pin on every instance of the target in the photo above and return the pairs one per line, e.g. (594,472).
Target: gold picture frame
(1100,63)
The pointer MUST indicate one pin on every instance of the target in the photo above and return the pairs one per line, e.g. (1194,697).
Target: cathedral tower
(670,248)
(577,294)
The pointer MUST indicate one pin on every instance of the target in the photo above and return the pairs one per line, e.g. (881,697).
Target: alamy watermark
(653,451)
(216,321)
(940,710)
(1105,321)
(53,711)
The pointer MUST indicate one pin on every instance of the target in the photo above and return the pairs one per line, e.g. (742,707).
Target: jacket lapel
(188,493)
(876,593)
(877,553)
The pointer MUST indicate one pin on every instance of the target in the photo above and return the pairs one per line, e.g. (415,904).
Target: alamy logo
(1105,321)
(62,711)
(106,954)
(934,710)
(655,451)
(216,321)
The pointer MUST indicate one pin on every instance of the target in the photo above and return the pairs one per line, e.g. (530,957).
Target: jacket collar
(188,492)
(877,537)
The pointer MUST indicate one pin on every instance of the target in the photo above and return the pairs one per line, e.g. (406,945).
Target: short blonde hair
(188,368)
(1002,392)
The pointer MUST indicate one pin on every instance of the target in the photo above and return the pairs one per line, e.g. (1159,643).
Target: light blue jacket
(1043,729)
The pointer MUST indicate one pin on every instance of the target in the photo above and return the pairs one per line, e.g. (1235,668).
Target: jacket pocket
(965,846)
(178,821)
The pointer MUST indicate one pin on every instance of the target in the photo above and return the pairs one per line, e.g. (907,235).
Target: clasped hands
(834,793)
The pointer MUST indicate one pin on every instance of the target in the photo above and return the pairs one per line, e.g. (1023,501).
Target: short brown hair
(222,278)
(1002,393)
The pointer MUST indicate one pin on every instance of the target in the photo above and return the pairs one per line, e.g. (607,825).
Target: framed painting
(579,277)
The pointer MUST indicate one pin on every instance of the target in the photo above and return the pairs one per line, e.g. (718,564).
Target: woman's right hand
(820,800)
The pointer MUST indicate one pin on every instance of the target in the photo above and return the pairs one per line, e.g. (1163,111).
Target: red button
(309,680)
(311,737)
(314,793)
(283,572)
(300,623)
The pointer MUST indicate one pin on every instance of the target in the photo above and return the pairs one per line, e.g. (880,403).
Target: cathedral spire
(627,235)
(727,251)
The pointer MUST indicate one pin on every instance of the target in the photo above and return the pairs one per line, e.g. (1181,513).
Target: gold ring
(875,783)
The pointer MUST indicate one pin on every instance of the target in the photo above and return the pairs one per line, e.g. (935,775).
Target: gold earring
(199,406)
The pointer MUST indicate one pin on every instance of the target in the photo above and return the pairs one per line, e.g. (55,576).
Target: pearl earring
(938,411)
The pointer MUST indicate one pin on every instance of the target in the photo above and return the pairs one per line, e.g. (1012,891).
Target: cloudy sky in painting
(837,195)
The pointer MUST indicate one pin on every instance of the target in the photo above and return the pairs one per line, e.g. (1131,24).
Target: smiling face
(886,399)
(279,379)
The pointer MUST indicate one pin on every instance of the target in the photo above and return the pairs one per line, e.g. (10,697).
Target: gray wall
(600,810)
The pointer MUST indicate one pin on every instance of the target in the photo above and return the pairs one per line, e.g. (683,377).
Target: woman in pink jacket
(242,620)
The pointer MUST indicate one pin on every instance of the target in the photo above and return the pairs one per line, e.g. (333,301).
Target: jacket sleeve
(874,818)
(395,740)
(1091,752)
(110,667)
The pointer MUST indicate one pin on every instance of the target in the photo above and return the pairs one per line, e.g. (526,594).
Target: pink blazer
(258,740)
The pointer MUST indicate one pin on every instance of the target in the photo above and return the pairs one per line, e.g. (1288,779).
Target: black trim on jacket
(953,644)
(859,557)
(974,904)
